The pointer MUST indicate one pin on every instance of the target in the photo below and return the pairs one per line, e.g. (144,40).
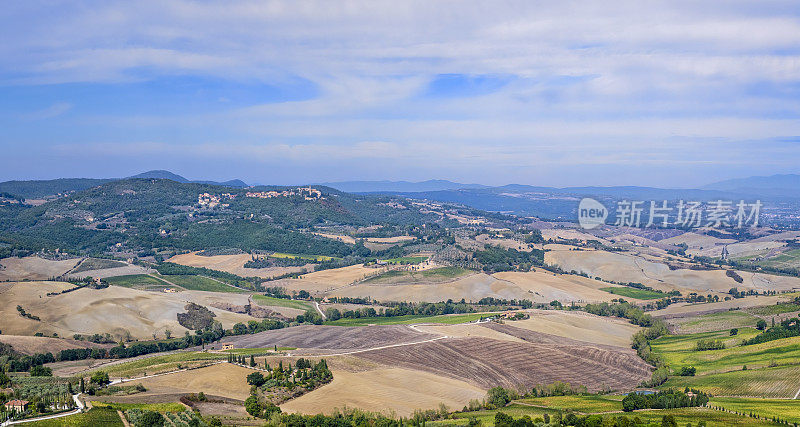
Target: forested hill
(37,189)
(135,215)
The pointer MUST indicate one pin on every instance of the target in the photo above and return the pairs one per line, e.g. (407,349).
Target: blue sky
(669,94)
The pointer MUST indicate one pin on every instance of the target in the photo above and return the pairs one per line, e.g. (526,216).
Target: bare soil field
(113,310)
(34,268)
(622,267)
(32,345)
(232,264)
(579,326)
(331,337)
(487,363)
(388,390)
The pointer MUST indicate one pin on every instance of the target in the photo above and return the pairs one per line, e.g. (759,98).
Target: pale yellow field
(113,310)
(538,286)
(543,286)
(580,326)
(232,264)
(472,287)
(388,390)
(33,345)
(222,379)
(622,267)
(34,268)
(328,280)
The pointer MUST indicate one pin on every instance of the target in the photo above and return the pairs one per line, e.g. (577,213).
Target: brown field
(331,337)
(233,264)
(387,390)
(622,267)
(113,310)
(579,326)
(34,268)
(32,345)
(487,363)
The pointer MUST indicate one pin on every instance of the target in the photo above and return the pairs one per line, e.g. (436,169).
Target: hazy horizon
(662,94)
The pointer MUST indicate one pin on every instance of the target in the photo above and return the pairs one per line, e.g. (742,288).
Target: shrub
(99,378)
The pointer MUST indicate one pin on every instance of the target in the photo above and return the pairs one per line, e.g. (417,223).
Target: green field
(778,382)
(673,347)
(723,320)
(788,410)
(282,302)
(308,257)
(257,351)
(93,417)
(136,280)
(583,404)
(784,351)
(790,258)
(771,310)
(447,319)
(200,283)
(683,416)
(634,293)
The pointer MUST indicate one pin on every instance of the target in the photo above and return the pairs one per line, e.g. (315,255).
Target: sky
(668,94)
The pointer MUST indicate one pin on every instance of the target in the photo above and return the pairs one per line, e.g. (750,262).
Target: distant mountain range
(773,186)
(526,200)
(398,186)
(35,189)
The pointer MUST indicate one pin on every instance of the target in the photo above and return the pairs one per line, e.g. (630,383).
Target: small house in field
(17,405)
(227,346)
